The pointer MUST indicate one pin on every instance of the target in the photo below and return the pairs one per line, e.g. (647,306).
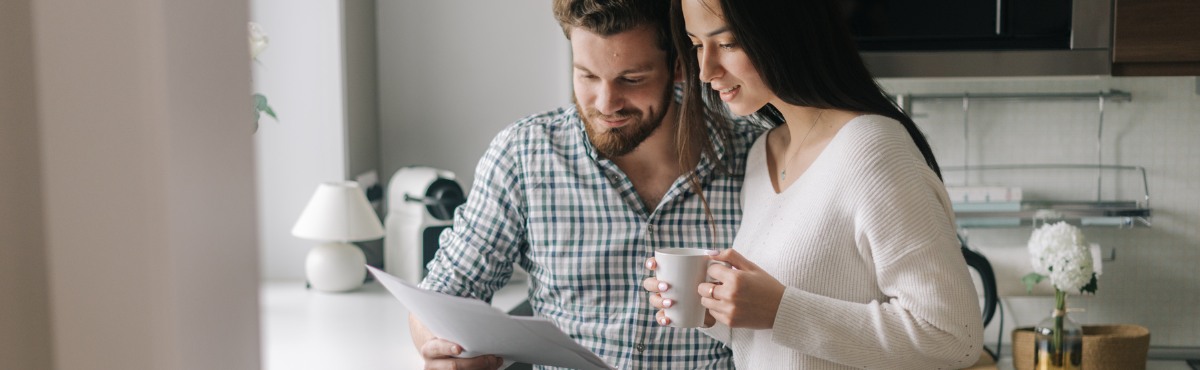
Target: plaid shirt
(543,198)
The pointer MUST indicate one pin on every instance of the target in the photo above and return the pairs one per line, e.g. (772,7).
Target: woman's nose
(709,68)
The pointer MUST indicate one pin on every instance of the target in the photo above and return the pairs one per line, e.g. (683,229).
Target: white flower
(1072,270)
(1060,251)
(258,40)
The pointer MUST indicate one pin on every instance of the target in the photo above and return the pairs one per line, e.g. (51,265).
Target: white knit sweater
(864,241)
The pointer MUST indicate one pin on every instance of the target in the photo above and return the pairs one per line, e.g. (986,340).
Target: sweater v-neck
(773,184)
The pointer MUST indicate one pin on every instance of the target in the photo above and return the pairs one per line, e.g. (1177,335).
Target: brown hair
(611,17)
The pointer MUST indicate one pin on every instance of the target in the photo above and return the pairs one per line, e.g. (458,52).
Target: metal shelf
(905,100)
(1122,213)
(1109,213)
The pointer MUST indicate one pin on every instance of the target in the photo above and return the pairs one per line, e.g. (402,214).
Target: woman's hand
(745,295)
(656,300)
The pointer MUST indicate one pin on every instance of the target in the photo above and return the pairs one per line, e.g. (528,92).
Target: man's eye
(633,80)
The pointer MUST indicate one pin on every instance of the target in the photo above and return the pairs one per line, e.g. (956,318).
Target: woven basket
(1105,347)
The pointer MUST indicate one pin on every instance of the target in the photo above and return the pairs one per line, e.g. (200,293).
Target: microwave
(981,38)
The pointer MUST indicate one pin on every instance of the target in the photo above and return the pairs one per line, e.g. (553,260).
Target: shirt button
(640,347)
(650,228)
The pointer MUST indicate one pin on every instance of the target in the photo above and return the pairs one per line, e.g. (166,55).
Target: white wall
(1154,281)
(361,85)
(133,168)
(452,73)
(301,73)
(25,322)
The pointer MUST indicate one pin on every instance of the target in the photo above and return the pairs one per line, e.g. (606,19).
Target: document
(484,330)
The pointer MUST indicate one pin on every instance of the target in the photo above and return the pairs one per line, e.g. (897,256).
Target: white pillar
(148,183)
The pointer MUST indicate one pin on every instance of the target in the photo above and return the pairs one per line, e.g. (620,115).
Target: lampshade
(338,211)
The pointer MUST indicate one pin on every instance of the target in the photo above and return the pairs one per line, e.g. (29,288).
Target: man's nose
(609,100)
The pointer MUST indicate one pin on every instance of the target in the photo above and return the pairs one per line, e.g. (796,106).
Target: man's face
(622,87)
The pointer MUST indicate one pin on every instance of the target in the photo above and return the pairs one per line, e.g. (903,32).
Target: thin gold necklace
(783,172)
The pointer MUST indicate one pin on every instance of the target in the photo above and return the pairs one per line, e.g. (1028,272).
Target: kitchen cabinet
(1156,38)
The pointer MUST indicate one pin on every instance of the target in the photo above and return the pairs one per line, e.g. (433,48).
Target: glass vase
(1059,343)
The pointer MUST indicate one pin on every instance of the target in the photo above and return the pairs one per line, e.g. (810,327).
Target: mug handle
(709,279)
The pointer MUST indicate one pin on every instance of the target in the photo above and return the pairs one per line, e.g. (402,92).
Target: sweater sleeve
(929,317)
(719,331)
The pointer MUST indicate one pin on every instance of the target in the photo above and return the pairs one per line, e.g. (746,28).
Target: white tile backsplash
(1155,279)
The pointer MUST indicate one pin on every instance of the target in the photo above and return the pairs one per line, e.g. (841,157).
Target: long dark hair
(805,55)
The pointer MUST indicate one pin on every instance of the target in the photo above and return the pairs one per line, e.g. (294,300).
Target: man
(582,195)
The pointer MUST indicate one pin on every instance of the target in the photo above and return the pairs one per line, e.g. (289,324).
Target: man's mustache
(620,115)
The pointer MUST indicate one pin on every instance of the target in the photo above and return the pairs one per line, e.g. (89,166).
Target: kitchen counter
(367,329)
(1006,364)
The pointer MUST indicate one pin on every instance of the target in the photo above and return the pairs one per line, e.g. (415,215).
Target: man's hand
(439,353)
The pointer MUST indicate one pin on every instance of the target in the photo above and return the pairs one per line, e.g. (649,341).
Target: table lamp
(337,214)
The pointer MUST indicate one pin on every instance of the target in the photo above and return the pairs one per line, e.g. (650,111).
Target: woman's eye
(697,46)
(727,46)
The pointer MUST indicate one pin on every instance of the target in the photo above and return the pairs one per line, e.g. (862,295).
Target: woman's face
(723,63)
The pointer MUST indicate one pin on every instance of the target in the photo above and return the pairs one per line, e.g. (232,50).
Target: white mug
(683,269)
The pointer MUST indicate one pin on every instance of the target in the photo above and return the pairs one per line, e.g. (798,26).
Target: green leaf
(1091,286)
(262,106)
(1032,279)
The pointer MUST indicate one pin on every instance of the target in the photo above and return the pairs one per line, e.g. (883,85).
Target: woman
(846,256)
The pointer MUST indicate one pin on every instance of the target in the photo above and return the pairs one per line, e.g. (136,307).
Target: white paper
(484,330)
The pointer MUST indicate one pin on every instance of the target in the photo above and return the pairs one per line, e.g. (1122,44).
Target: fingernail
(650,264)
(457,350)
(662,321)
(712,252)
(667,303)
(662,286)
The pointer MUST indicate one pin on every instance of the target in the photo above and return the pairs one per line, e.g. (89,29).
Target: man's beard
(616,142)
